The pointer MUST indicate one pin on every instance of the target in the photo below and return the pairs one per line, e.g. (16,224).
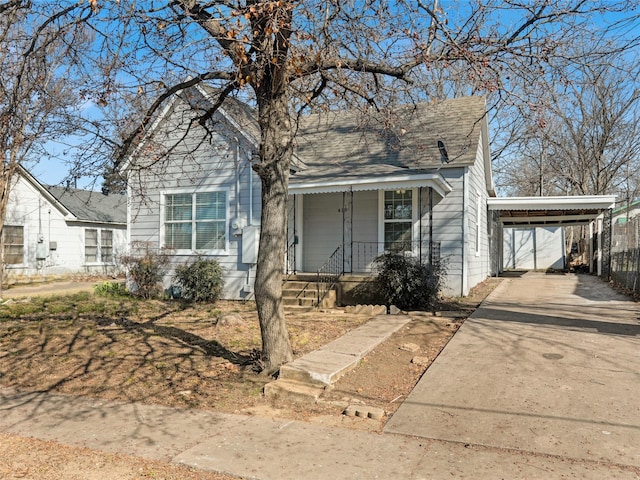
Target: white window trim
(25,237)
(99,250)
(208,189)
(415,235)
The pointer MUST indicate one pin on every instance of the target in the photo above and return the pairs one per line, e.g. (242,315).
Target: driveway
(63,287)
(549,364)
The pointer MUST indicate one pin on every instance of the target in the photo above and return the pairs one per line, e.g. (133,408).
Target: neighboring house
(626,227)
(56,231)
(417,182)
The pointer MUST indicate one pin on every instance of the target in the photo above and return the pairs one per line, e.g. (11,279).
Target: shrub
(406,282)
(110,289)
(200,281)
(145,269)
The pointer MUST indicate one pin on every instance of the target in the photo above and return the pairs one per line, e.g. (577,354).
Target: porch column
(347,231)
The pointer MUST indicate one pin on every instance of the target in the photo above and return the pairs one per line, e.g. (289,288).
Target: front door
(322,228)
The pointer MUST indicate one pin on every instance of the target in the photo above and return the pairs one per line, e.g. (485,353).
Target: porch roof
(550,211)
(355,183)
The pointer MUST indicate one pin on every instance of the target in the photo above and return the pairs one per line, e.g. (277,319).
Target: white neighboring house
(58,231)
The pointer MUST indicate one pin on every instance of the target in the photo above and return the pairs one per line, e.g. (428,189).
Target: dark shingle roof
(347,144)
(90,206)
(340,145)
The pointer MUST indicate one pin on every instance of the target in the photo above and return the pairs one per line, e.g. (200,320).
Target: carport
(529,212)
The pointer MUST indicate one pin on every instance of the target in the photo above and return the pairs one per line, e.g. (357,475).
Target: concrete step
(293,391)
(295,285)
(303,277)
(302,301)
(286,293)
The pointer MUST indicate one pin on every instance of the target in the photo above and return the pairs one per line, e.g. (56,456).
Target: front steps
(301,292)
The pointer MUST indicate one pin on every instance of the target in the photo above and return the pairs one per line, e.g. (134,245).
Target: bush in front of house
(145,268)
(407,283)
(200,281)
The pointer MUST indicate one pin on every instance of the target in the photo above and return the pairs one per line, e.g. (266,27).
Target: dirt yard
(203,357)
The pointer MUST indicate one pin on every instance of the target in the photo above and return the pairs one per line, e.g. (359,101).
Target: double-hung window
(196,221)
(397,219)
(98,245)
(13,245)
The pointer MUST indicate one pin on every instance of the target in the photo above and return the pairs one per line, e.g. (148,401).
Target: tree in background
(38,48)
(583,137)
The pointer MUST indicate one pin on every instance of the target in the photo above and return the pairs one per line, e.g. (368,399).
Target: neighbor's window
(98,246)
(398,220)
(195,221)
(106,246)
(13,244)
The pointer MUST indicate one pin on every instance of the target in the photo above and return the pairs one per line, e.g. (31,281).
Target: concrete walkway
(542,383)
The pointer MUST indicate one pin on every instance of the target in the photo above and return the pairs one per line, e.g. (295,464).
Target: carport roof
(551,211)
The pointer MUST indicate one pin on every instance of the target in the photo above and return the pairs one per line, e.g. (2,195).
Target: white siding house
(419,186)
(54,231)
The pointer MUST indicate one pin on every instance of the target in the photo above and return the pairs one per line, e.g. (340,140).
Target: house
(625,221)
(416,181)
(53,231)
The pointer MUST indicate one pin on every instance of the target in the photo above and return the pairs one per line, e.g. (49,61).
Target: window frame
(99,246)
(414,219)
(193,221)
(22,264)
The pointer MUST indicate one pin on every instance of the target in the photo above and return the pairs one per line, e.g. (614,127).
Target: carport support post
(607,225)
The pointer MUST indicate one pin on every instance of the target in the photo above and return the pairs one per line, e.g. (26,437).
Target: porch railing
(329,273)
(364,253)
(290,264)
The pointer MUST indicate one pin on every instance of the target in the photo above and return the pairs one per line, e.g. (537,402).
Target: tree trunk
(275,158)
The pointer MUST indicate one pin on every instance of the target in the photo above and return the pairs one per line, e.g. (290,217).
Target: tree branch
(151,111)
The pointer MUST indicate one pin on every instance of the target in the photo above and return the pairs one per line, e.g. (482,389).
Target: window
(13,245)
(398,220)
(195,221)
(98,246)
(90,246)
(106,246)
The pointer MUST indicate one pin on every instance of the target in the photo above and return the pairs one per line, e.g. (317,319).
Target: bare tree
(583,138)
(37,47)
(287,56)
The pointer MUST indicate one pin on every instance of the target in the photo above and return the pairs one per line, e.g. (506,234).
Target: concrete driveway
(549,364)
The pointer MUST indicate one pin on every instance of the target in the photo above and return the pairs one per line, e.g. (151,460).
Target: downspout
(237,161)
(465,219)
(420,214)
(431,254)
(250,220)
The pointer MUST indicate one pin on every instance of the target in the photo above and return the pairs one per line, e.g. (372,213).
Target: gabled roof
(415,142)
(90,206)
(347,145)
(82,205)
